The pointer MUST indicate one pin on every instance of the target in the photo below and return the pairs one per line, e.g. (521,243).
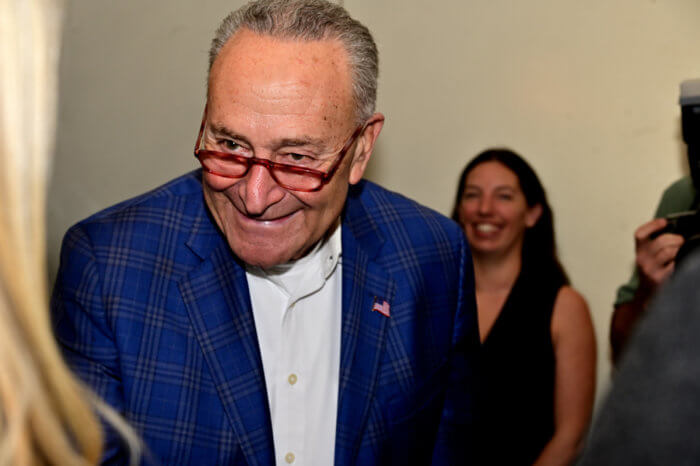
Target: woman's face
(493,210)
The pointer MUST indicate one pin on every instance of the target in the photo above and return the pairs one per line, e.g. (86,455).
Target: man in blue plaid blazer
(182,309)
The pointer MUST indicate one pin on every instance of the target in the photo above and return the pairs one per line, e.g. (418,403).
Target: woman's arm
(574,386)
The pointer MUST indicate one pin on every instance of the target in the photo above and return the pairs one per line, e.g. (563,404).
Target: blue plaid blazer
(152,310)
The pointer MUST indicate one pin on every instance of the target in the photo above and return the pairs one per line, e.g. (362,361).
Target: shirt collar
(308,274)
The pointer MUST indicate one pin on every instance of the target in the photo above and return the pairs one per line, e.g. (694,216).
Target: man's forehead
(264,57)
(264,75)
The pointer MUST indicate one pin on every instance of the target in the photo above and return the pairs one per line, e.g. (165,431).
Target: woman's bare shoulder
(570,313)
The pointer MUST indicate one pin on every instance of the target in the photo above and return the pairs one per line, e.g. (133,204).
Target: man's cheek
(216,183)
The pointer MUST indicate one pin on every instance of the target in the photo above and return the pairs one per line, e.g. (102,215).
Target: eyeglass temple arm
(359,130)
(201,130)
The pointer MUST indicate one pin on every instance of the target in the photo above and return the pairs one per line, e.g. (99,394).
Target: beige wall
(586,91)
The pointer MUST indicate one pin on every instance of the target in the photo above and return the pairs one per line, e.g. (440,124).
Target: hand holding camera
(657,243)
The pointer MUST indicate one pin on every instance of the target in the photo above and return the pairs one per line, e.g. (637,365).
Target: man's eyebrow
(224,131)
(297,142)
(283,142)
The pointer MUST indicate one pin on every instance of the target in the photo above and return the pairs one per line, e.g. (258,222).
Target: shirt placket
(293,384)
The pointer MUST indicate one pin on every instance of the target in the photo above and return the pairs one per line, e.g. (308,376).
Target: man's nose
(260,190)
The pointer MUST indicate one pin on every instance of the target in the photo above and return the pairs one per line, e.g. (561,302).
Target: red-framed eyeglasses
(288,176)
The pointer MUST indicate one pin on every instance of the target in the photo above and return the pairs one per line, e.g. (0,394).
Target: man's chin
(262,256)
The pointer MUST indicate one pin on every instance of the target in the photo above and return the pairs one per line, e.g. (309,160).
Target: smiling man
(291,103)
(273,307)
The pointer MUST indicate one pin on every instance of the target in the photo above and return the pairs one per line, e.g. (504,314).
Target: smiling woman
(538,347)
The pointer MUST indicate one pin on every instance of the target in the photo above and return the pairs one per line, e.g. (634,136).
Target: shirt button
(292,379)
(289,457)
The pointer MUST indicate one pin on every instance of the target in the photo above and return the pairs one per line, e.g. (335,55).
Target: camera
(686,224)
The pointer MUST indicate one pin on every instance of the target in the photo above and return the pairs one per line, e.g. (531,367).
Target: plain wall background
(586,91)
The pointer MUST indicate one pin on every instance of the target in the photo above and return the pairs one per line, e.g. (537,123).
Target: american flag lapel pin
(381,306)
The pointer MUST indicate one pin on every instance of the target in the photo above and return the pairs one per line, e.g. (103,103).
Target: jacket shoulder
(169,209)
(183,186)
(393,215)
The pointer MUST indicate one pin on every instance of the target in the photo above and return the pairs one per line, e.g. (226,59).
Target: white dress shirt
(297,311)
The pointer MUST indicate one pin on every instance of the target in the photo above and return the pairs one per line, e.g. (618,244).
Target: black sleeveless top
(516,410)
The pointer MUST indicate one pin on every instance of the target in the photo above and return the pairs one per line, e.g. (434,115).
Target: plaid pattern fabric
(153,312)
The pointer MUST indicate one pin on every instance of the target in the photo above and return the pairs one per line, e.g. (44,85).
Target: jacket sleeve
(83,331)
(455,442)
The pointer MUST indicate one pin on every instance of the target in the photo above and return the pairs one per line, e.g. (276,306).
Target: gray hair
(310,20)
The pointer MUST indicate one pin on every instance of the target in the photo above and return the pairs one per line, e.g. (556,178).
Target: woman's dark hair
(539,245)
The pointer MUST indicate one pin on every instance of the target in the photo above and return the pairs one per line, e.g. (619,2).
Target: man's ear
(364,147)
(533,215)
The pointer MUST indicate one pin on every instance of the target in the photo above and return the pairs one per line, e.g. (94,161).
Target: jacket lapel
(363,332)
(218,303)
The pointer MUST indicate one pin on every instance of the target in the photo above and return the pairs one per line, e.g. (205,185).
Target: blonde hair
(46,415)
